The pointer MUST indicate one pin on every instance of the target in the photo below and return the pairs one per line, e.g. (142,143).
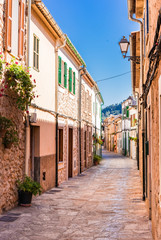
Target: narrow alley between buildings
(104,202)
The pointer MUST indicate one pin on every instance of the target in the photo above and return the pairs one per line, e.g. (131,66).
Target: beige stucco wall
(45,77)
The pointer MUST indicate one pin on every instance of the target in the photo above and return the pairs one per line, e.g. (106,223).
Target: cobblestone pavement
(104,203)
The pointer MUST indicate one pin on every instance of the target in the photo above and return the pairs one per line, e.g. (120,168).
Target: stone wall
(153,103)
(12,161)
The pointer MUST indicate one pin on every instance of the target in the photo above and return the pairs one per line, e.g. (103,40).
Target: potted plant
(26,189)
(11,136)
(5,123)
(96,159)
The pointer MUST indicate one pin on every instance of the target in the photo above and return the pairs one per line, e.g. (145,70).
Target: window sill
(14,56)
(37,70)
(60,165)
(61,88)
(71,95)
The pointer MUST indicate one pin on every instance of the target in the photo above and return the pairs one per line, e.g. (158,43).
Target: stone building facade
(12,164)
(56,143)
(147,86)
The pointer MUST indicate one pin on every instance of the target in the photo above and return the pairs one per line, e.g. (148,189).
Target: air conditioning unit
(33,118)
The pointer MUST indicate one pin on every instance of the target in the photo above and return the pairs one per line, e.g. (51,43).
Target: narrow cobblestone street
(103,203)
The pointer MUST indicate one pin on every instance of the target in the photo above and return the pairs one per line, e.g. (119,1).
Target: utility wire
(112,77)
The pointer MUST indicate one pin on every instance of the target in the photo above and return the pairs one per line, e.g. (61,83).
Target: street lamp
(124,44)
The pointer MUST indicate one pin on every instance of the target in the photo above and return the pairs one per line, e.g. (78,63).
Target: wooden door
(85,149)
(70,153)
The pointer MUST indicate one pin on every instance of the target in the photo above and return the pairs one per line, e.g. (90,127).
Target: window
(21,28)
(36,53)
(93,107)
(60,145)
(73,82)
(65,74)
(70,79)
(147,16)
(90,142)
(127,112)
(59,70)
(96,108)
(89,104)
(15,27)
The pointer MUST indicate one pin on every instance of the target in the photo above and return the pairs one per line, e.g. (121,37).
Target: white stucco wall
(98,115)
(45,77)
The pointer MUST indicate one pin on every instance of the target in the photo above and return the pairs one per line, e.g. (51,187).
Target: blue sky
(95,27)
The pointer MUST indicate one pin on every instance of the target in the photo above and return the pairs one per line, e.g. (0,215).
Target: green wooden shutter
(127,112)
(65,75)
(70,79)
(73,82)
(59,70)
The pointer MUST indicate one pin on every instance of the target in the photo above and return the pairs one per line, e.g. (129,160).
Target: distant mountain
(114,109)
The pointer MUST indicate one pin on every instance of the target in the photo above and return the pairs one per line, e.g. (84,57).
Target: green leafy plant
(5,123)
(11,136)
(96,140)
(99,141)
(28,185)
(133,139)
(1,64)
(96,159)
(18,80)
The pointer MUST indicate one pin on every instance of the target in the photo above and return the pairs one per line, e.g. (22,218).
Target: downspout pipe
(27,127)
(136,93)
(142,90)
(80,112)
(56,108)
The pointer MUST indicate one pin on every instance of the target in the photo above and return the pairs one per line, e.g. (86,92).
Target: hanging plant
(5,124)
(11,137)
(18,80)
(133,139)
(17,83)
(1,64)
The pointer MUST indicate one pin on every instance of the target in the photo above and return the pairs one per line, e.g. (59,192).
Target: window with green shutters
(65,74)
(59,70)
(70,79)
(127,112)
(73,82)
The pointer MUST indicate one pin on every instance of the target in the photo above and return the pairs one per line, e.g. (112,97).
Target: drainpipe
(137,129)
(27,130)
(56,107)
(142,89)
(79,113)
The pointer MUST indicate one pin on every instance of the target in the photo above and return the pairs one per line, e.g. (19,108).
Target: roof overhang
(136,7)
(135,51)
